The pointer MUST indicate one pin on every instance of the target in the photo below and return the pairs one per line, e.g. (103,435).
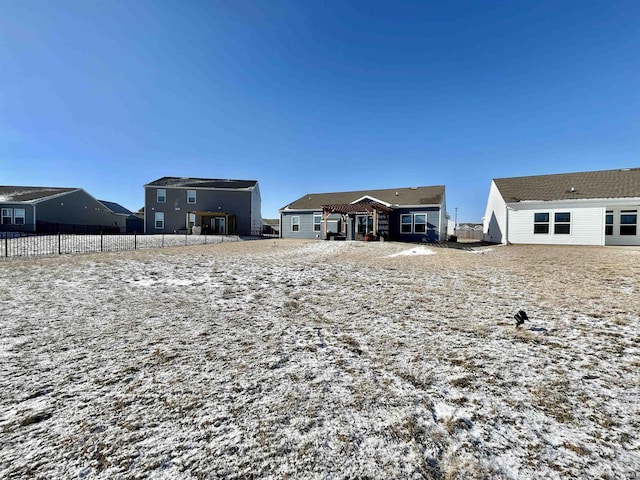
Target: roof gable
(30,194)
(622,183)
(186,182)
(413,196)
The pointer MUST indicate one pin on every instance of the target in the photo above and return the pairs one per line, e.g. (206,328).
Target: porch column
(375,221)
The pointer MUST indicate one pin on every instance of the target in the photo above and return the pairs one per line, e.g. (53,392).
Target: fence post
(162,240)
(6,245)
(135,240)
(59,244)
(185,239)
(101,240)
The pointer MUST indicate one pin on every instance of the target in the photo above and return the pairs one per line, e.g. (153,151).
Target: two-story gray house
(202,205)
(57,209)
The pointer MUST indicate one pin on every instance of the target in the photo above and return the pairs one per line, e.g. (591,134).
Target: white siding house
(587,208)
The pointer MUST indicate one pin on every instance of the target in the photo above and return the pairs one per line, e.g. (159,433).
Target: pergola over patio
(372,208)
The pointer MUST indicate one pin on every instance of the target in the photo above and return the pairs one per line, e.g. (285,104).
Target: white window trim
(156,220)
(547,223)
(606,225)
(628,212)
(17,215)
(317,215)
(296,223)
(561,223)
(426,223)
(411,224)
(164,199)
(9,216)
(189,198)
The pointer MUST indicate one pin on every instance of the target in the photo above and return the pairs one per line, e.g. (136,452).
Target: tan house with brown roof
(585,208)
(410,214)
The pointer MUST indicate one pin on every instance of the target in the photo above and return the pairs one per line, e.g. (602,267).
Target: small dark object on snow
(520,317)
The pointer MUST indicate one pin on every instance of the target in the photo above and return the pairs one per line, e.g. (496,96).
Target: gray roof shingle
(30,194)
(184,182)
(433,195)
(621,183)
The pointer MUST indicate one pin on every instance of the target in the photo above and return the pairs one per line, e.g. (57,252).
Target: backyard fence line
(35,244)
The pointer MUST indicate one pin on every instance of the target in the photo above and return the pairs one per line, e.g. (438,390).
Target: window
(7,216)
(161,195)
(541,223)
(18,216)
(628,222)
(317,222)
(295,224)
(406,223)
(608,228)
(159,220)
(419,223)
(364,224)
(562,223)
(192,220)
(191,196)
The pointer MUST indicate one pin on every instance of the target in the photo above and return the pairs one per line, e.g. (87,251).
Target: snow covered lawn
(293,359)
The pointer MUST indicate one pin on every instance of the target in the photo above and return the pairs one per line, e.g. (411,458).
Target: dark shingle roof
(29,194)
(622,183)
(116,207)
(395,196)
(184,182)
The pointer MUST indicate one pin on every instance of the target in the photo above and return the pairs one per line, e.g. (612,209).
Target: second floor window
(191,196)
(161,195)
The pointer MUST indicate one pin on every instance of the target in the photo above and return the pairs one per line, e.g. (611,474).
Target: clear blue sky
(316,96)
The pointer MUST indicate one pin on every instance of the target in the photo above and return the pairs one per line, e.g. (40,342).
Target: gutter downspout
(506,225)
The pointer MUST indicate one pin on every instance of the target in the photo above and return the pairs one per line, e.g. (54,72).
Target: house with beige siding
(583,208)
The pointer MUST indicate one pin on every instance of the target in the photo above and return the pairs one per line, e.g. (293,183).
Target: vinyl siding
(434,221)
(175,209)
(616,238)
(78,208)
(306,225)
(587,225)
(494,223)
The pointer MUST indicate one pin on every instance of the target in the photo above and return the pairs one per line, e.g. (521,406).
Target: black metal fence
(32,244)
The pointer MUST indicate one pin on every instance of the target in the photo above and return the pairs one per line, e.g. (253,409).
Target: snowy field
(16,245)
(322,360)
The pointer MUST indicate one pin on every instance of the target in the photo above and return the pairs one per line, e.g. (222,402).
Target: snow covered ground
(16,245)
(294,359)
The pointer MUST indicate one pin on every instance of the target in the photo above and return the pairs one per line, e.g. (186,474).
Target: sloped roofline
(393,197)
(599,184)
(33,195)
(203,183)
